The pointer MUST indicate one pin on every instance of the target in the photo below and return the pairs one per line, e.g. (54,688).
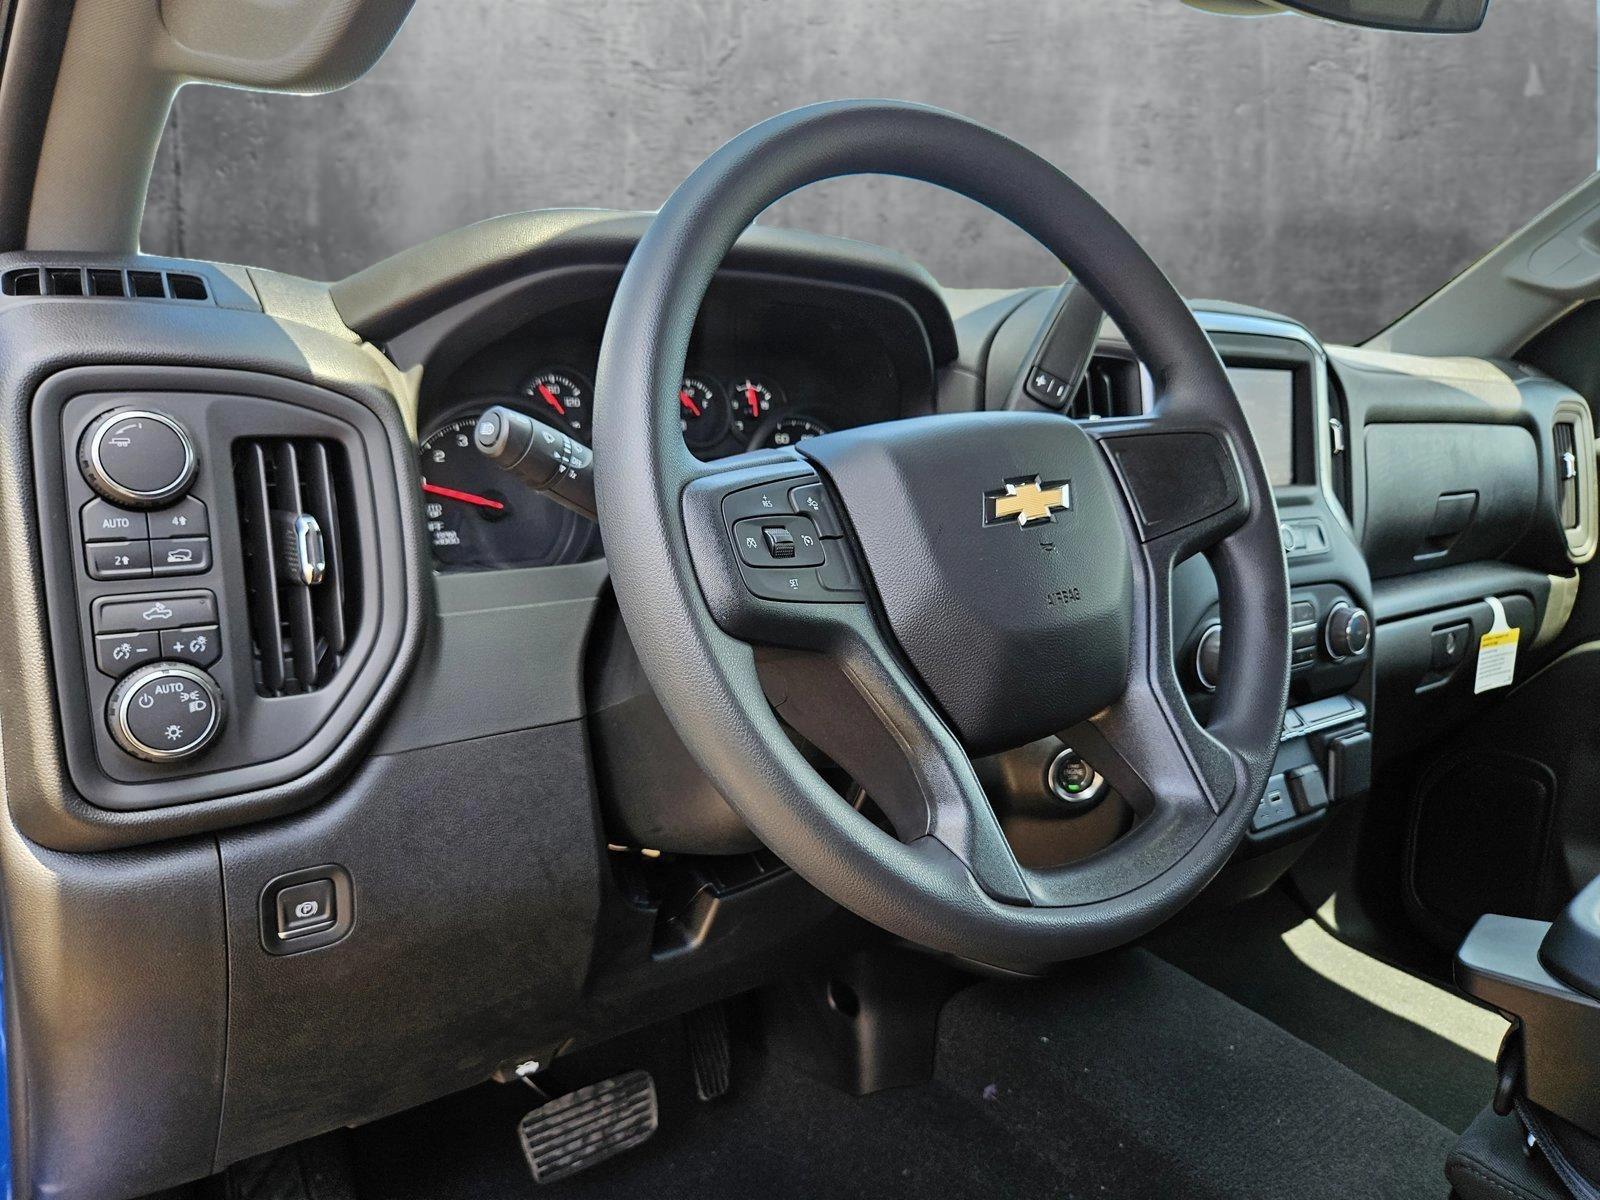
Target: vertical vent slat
(1567,468)
(322,504)
(302,623)
(296,599)
(261,569)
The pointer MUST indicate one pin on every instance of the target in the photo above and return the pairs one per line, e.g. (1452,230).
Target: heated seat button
(305,908)
(118,560)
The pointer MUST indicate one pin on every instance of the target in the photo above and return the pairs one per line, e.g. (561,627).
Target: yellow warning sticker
(1497,659)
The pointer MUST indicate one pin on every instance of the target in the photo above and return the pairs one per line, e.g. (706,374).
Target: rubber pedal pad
(710,1050)
(583,1128)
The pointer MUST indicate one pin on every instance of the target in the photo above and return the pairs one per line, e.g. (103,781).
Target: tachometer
(480,517)
(563,398)
(703,412)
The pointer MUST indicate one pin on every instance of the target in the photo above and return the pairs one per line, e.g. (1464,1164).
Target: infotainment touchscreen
(1267,396)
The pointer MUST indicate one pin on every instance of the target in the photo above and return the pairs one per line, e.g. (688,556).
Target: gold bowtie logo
(1026,501)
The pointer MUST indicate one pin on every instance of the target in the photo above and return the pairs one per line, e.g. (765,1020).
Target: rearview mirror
(1410,16)
(1415,16)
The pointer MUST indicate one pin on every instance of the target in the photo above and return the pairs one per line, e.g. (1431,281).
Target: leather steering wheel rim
(1185,479)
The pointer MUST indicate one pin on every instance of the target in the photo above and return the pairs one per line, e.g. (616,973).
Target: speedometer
(480,516)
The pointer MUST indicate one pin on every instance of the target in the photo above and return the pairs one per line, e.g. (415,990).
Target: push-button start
(165,711)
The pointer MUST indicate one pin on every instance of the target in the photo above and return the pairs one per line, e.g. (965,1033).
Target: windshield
(1334,174)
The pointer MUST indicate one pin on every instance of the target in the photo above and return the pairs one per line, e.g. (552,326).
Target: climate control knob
(165,711)
(138,459)
(1348,631)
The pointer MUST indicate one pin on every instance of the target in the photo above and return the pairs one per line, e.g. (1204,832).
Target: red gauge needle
(688,402)
(754,400)
(433,489)
(552,400)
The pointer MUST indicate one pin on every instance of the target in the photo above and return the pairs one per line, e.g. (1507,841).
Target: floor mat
(1130,1079)
(1423,1042)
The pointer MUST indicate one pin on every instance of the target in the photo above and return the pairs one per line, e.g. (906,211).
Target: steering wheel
(909,594)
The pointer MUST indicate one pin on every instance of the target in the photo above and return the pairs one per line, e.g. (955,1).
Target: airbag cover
(1018,629)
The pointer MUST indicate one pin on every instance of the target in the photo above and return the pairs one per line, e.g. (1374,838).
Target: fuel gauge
(702,411)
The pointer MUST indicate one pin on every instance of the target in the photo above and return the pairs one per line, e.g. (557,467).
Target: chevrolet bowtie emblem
(1026,501)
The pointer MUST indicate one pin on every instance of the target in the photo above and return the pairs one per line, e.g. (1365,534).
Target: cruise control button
(186,518)
(200,645)
(812,499)
(754,538)
(766,500)
(105,522)
(118,653)
(800,584)
(118,560)
(180,556)
(154,612)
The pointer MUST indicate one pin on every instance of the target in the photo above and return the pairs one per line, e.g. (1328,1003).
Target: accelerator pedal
(588,1126)
(710,1050)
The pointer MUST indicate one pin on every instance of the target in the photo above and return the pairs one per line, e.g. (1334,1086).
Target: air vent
(300,573)
(1110,388)
(112,282)
(1567,482)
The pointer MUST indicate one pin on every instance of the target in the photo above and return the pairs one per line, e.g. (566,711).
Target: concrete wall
(1332,173)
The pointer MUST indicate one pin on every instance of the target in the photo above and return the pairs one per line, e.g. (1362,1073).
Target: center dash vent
(1110,388)
(1567,482)
(301,574)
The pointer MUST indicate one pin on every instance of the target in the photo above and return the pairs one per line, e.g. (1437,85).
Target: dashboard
(455,747)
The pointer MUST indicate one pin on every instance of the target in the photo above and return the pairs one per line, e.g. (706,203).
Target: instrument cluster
(771,363)
(480,518)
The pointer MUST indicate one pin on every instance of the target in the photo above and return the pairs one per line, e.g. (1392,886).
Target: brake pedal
(710,1050)
(574,1132)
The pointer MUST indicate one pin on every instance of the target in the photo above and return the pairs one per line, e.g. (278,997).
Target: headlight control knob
(1348,631)
(138,459)
(165,711)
